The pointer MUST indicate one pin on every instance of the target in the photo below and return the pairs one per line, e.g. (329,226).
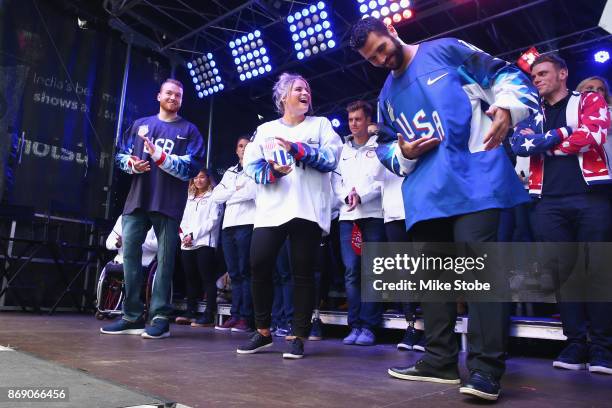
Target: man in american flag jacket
(570,177)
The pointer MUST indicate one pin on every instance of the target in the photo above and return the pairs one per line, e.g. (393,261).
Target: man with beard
(445,108)
(161,152)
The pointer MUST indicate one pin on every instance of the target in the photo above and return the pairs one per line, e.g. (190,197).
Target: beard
(397,54)
(167,106)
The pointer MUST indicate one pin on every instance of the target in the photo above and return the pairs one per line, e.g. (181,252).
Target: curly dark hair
(361,29)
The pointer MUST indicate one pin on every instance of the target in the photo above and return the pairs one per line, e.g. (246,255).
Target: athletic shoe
(352,337)
(228,325)
(316,332)
(573,357)
(481,385)
(184,320)
(257,342)
(600,360)
(159,329)
(420,346)
(123,326)
(411,337)
(365,338)
(422,371)
(242,326)
(204,321)
(296,349)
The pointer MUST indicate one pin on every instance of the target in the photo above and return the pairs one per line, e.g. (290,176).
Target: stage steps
(520,326)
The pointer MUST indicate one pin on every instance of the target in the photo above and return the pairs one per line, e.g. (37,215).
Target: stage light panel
(311,30)
(250,55)
(602,56)
(389,11)
(205,75)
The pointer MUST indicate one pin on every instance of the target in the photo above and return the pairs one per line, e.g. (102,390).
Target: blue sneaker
(366,338)
(482,386)
(159,329)
(600,360)
(411,338)
(352,337)
(296,350)
(316,332)
(123,326)
(573,357)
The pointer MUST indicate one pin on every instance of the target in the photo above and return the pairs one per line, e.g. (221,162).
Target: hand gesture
(499,128)
(148,145)
(140,165)
(187,241)
(412,150)
(286,169)
(284,143)
(353,200)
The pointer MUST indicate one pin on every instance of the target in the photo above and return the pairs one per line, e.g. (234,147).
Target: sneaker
(184,320)
(411,337)
(366,338)
(228,325)
(422,371)
(352,337)
(600,360)
(296,349)
(257,342)
(316,332)
(481,385)
(420,346)
(573,357)
(123,326)
(159,329)
(204,321)
(242,326)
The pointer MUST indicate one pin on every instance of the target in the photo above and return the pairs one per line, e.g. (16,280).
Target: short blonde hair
(607,96)
(283,87)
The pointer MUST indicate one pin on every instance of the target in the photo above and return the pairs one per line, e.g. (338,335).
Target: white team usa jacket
(359,167)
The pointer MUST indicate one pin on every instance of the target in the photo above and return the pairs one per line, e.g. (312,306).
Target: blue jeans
(236,243)
(135,227)
(282,306)
(360,314)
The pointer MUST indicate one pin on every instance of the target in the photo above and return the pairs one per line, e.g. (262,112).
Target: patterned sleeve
(323,158)
(185,166)
(125,147)
(537,142)
(594,121)
(387,151)
(503,85)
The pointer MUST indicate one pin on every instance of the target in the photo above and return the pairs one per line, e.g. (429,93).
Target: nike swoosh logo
(182,138)
(436,79)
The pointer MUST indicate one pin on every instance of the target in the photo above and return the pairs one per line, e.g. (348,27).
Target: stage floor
(199,368)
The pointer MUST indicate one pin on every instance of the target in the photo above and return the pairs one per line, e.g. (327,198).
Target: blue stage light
(204,75)
(251,55)
(311,30)
(602,56)
(335,122)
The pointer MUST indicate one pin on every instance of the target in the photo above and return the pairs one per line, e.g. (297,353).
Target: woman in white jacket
(290,159)
(199,234)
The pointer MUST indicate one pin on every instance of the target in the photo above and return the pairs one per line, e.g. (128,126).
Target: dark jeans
(282,306)
(135,227)
(396,232)
(236,243)
(200,274)
(578,218)
(488,322)
(304,237)
(360,314)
